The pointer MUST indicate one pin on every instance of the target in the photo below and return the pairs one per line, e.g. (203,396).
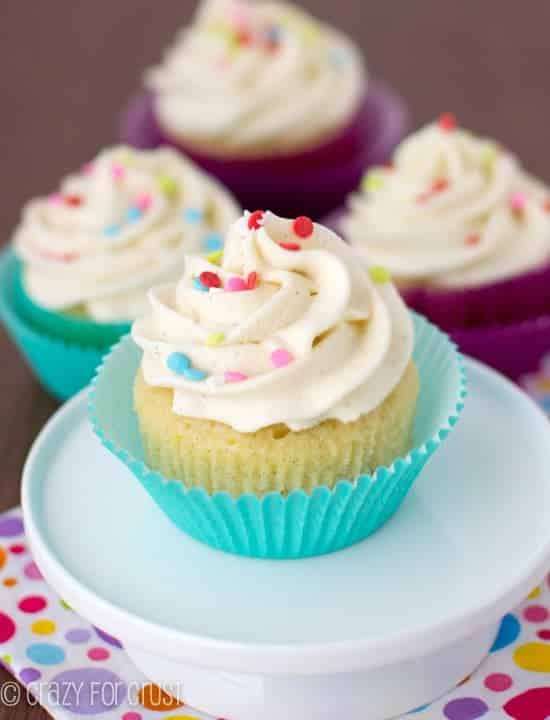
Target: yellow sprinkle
(489,156)
(215,257)
(167,184)
(7,659)
(215,338)
(379,274)
(372,182)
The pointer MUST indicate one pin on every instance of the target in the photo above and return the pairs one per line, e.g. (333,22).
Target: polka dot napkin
(73,668)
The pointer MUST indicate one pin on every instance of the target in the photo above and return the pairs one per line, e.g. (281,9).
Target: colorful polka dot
(32,604)
(281,357)
(89,691)
(498,682)
(29,675)
(213,242)
(3,557)
(9,582)
(109,639)
(508,633)
(534,657)
(77,636)
(468,708)
(131,716)
(18,549)
(32,572)
(7,628)
(544,634)
(11,527)
(152,697)
(536,614)
(531,705)
(534,593)
(43,627)
(98,653)
(45,654)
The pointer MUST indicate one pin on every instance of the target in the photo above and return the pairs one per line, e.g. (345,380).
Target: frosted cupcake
(286,375)
(87,255)
(464,231)
(271,101)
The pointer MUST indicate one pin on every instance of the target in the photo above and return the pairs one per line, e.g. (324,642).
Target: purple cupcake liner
(505,325)
(312,182)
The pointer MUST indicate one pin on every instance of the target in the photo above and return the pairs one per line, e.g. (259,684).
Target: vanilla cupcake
(464,231)
(275,402)
(270,100)
(87,254)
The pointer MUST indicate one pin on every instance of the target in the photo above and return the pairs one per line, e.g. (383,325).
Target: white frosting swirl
(453,210)
(257,77)
(315,339)
(121,225)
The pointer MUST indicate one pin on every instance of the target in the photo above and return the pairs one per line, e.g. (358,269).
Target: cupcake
(276,104)
(281,384)
(85,256)
(464,231)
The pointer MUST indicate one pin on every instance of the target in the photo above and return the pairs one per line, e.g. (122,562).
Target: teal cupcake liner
(62,367)
(71,328)
(297,525)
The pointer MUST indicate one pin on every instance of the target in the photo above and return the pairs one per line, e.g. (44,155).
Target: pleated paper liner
(62,367)
(299,524)
(309,182)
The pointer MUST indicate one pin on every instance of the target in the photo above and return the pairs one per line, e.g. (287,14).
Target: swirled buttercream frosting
(249,77)
(117,227)
(290,328)
(452,210)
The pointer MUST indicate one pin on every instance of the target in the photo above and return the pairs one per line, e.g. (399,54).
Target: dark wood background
(68,66)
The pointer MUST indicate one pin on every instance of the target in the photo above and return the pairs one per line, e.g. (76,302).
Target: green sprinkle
(379,274)
(215,338)
(372,182)
(167,184)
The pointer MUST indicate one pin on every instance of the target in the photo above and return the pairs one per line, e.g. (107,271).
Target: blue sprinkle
(198,285)
(178,363)
(213,242)
(338,57)
(111,230)
(133,214)
(193,215)
(194,374)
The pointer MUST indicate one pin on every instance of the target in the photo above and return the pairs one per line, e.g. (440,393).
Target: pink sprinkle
(144,201)
(118,171)
(232,376)
(281,358)
(55,198)
(88,168)
(518,201)
(235,284)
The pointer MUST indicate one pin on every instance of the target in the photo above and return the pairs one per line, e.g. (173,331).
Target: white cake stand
(364,634)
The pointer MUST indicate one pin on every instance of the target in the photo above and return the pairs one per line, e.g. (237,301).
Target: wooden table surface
(68,66)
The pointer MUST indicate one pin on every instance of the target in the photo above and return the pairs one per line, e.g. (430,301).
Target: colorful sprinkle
(233,376)
(252,280)
(193,216)
(546,205)
(144,201)
(167,184)
(303,227)
(472,240)
(236,284)
(447,122)
(178,363)
(112,230)
(215,338)
(372,182)
(213,242)
(518,201)
(255,220)
(210,279)
(73,200)
(133,213)
(281,357)
(198,285)
(489,156)
(292,247)
(379,274)
(55,198)
(215,258)
(119,172)
(194,374)
(440,185)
